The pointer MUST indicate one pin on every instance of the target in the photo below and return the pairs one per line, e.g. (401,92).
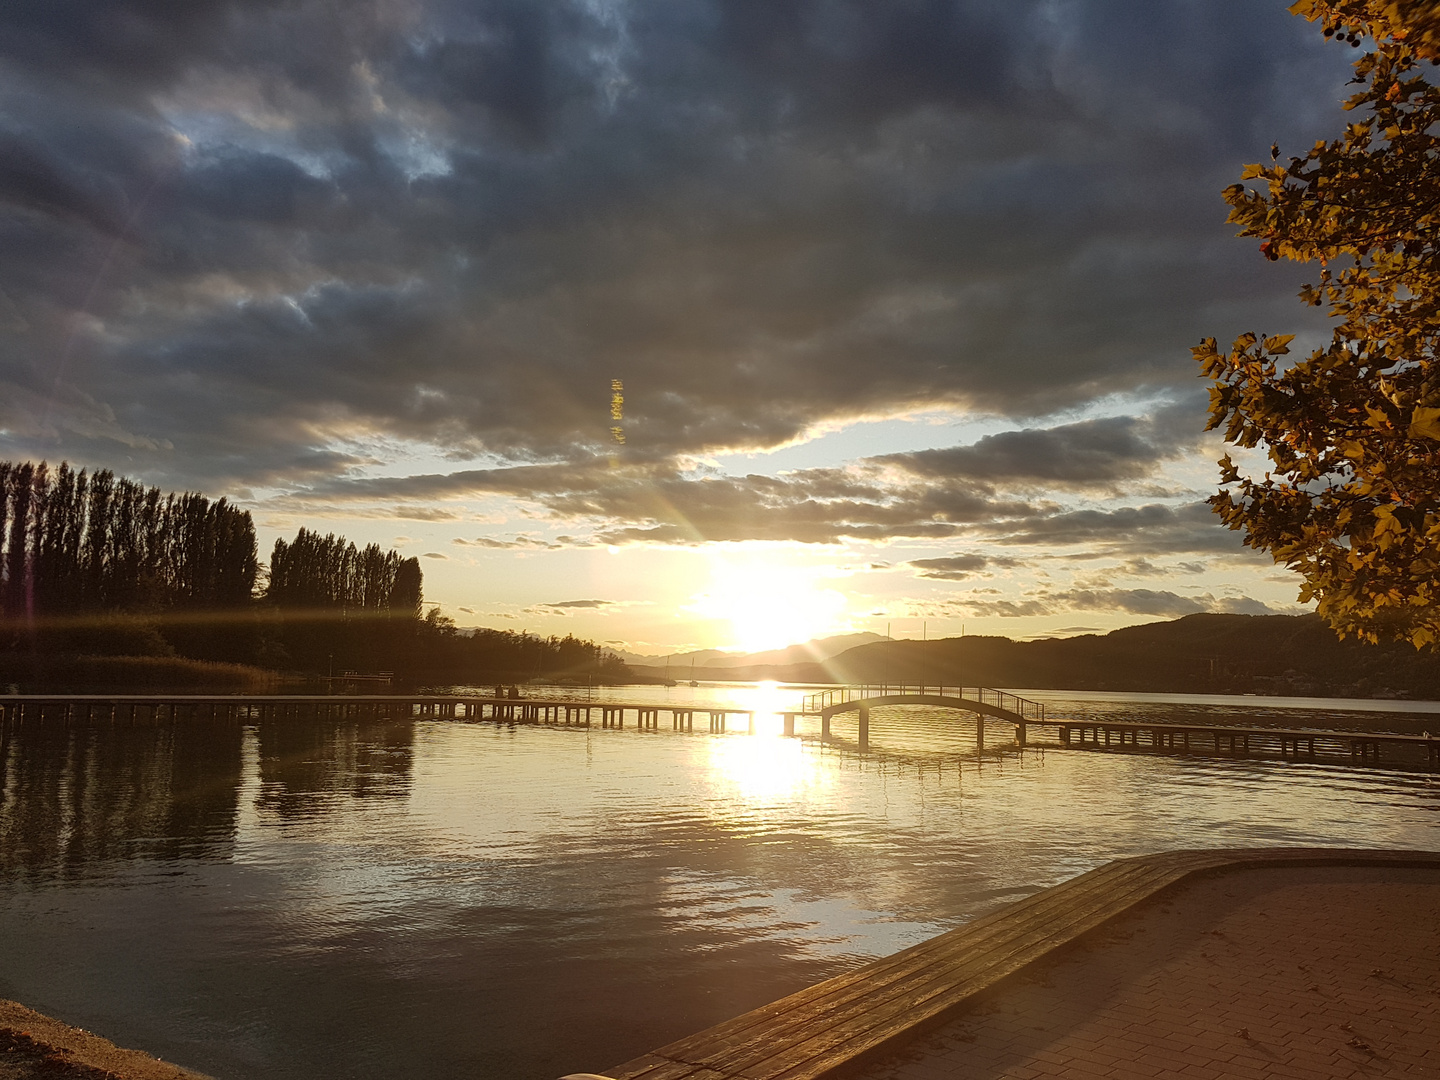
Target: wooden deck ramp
(842,1022)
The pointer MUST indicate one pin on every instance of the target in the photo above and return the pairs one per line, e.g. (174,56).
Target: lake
(404,899)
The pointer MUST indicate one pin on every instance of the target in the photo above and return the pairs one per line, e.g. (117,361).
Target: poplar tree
(1350,495)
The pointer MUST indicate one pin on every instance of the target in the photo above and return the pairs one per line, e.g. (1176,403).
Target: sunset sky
(901,293)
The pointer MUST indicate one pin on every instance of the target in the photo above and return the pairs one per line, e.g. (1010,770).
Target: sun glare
(769,603)
(765,770)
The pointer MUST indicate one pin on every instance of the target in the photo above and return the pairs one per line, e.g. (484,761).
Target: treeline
(81,549)
(337,608)
(76,543)
(328,573)
(92,564)
(340,608)
(454,656)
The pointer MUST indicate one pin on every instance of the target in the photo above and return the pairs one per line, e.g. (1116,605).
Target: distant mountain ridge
(816,651)
(1205,653)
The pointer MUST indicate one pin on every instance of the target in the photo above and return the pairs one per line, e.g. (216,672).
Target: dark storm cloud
(1154,529)
(1087,454)
(235,237)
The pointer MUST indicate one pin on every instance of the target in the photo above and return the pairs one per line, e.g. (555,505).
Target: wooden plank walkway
(1029,719)
(1355,747)
(992,701)
(1359,746)
(156,708)
(853,1018)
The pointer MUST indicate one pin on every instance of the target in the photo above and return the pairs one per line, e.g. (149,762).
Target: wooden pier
(1034,727)
(1360,747)
(244,708)
(983,701)
(1031,725)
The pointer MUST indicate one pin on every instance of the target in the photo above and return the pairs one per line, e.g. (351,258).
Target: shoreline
(1105,973)
(35,1045)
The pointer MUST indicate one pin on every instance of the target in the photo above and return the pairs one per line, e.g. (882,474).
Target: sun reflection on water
(765,700)
(766,769)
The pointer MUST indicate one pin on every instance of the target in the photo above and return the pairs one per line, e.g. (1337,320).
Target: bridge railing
(839,695)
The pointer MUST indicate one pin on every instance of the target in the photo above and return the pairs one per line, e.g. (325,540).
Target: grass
(33,673)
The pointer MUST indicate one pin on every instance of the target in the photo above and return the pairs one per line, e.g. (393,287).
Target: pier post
(789,723)
(1020,733)
(864,729)
(979,733)
(825,727)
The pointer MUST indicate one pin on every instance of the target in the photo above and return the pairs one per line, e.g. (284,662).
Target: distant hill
(820,649)
(1206,653)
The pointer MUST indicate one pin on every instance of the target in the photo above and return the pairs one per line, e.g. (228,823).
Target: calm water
(439,899)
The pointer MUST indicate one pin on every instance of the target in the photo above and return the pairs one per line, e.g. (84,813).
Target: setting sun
(768,602)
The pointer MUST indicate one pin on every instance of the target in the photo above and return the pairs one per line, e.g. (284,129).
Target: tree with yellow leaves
(1352,496)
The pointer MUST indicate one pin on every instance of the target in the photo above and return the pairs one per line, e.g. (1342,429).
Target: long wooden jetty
(1294,743)
(1031,724)
(142,708)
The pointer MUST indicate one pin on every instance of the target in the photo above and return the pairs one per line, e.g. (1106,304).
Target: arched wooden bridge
(983,701)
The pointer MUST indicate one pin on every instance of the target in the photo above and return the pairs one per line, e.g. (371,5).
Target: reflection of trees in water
(75,797)
(307,765)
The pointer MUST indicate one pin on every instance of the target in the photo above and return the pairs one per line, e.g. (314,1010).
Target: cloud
(434,555)
(519,543)
(1149,530)
(1004,609)
(240,236)
(1091,453)
(659,504)
(1151,602)
(880,498)
(959,567)
(306,510)
(570,607)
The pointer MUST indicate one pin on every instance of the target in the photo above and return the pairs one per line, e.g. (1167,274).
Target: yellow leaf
(1424,424)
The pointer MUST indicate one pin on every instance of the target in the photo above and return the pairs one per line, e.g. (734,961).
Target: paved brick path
(1293,974)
